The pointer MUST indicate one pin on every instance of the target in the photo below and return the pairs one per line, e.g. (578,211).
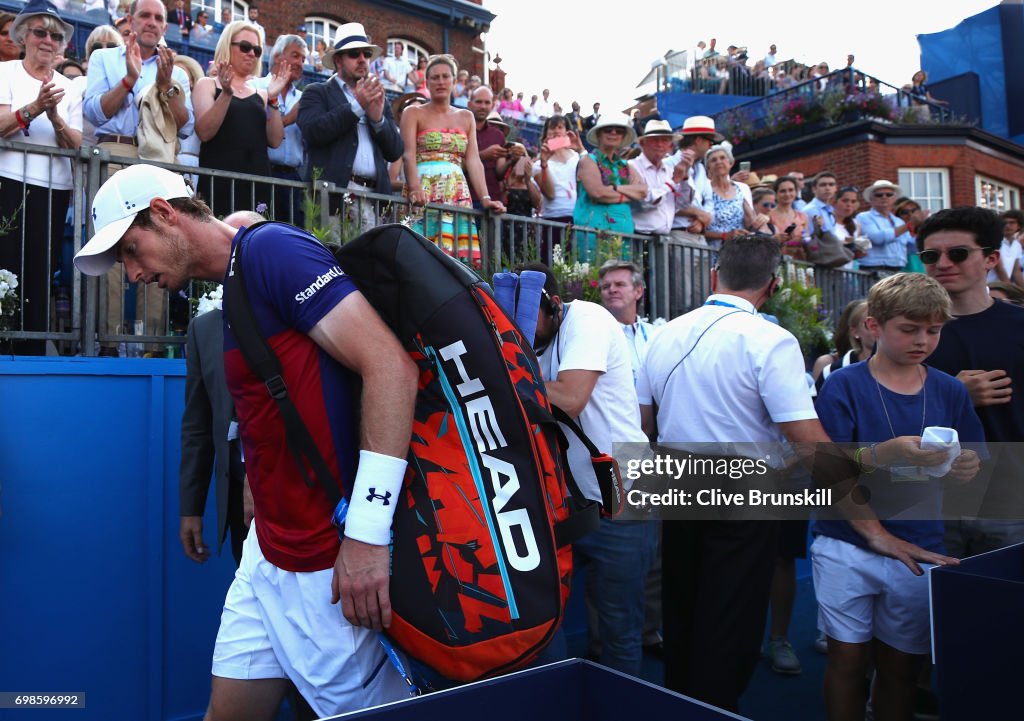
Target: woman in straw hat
(37,106)
(606,183)
(440,151)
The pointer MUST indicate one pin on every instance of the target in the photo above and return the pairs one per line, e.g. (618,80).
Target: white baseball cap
(117,202)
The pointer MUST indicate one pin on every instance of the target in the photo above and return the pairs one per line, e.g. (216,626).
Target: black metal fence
(60,311)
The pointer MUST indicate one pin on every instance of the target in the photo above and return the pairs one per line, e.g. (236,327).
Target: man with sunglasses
(349,129)
(981,346)
(889,234)
(116,77)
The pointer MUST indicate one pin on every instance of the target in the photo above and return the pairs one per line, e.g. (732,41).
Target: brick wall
(380,22)
(862,163)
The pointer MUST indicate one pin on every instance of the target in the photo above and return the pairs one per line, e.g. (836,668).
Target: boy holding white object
(870,606)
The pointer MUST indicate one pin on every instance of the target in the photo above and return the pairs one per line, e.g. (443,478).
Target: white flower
(212,300)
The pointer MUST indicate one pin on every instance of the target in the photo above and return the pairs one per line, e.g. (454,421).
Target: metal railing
(85,315)
(839,97)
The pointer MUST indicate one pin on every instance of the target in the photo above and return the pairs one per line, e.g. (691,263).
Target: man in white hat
(350,132)
(890,236)
(698,134)
(279,621)
(665,186)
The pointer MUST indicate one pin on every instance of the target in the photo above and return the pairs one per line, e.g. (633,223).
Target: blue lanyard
(723,303)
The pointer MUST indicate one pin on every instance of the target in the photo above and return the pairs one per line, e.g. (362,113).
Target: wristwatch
(172,92)
(27,115)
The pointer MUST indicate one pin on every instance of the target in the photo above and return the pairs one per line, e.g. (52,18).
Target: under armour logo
(374,494)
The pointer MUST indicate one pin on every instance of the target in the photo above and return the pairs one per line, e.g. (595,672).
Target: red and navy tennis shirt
(293,282)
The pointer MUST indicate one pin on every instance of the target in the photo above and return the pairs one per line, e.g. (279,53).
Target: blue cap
(41,7)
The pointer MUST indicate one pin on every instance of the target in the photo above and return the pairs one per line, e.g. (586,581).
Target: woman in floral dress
(440,143)
(606,184)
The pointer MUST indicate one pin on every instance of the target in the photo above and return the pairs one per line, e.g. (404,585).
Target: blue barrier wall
(96,595)
(677,107)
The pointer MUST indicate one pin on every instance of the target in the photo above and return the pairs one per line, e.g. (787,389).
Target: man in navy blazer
(179,16)
(347,125)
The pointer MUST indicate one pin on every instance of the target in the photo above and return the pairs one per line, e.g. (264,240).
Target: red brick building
(940,166)
(425,26)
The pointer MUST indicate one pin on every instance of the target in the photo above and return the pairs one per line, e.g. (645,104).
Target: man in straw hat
(890,236)
(348,126)
(279,621)
(665,186)
(697,136)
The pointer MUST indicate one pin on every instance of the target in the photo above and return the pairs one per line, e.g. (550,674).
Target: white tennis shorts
(281,624)
(863,595)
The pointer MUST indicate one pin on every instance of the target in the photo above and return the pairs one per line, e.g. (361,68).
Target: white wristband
(374,496)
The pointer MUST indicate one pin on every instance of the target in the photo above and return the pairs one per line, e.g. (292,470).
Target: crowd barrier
(110,315)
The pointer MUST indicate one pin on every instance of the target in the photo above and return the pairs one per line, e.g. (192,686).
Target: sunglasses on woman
(42,33)
(957,254)
(247,47)
(769,205)
(100,46)
(356,54)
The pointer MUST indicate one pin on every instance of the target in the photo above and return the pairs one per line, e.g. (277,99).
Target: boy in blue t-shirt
(871,606)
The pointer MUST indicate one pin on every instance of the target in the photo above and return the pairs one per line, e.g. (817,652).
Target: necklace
(881,398)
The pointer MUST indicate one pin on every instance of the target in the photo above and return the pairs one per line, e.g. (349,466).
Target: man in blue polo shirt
(116,78)
(288,160)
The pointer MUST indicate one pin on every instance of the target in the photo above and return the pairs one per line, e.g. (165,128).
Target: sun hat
(405,100)
(701,125)
(658,129)
(351,36)
(40,7)
(879,185)
(613,120)
(499,122)
(125,194)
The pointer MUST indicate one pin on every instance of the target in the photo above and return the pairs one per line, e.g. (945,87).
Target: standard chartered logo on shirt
(320,282)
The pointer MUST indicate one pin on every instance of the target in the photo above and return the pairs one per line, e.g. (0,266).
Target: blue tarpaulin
(976,45)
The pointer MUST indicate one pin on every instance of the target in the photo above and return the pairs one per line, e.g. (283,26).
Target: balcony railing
(840,97)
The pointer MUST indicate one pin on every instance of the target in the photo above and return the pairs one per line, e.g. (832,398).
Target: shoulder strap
(266,365)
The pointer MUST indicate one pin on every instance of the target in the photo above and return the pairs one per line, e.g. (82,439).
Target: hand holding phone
(559,142)
(745,166)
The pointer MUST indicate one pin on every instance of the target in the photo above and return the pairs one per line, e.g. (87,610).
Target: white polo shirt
(1009,251)
(738,377)
(591,339)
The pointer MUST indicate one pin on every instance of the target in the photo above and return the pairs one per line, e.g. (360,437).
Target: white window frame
(911,180)
(321,28)
(240,10)
(986,194)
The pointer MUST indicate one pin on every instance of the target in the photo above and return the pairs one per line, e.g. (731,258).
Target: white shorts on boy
(863,595)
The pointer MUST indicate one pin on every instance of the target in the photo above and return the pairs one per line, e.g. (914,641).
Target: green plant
(577,278)
(341,227)
(798,308)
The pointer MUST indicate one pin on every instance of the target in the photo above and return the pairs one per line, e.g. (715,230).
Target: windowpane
(928,187)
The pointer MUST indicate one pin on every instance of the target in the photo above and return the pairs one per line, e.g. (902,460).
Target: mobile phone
(790,229)
(558,143)
(745,166)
